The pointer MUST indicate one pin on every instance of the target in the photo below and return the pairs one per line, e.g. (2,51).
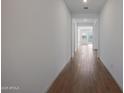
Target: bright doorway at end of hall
(85,35)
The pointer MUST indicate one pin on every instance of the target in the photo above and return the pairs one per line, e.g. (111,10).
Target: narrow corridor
(84,74)
(45,46)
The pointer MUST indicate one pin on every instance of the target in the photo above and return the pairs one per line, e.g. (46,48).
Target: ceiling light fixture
(85,1)
(85,7)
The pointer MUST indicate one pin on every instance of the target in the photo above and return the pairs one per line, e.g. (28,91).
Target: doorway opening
(85,35)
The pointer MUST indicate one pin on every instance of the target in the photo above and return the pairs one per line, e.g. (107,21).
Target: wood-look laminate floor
(84,74)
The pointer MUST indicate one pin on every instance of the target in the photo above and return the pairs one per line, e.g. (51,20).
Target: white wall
(76,36)
(36,43)
(111,31)
(88,16)
(96,35)
(73,37)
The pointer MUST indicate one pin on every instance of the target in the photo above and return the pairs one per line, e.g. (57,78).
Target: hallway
(84,74)
(45,46)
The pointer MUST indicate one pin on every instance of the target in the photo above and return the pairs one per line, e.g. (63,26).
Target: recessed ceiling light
(85,1)
(85,7)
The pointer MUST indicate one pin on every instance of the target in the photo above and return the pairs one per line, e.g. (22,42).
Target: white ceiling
(76,6)
(85,28)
